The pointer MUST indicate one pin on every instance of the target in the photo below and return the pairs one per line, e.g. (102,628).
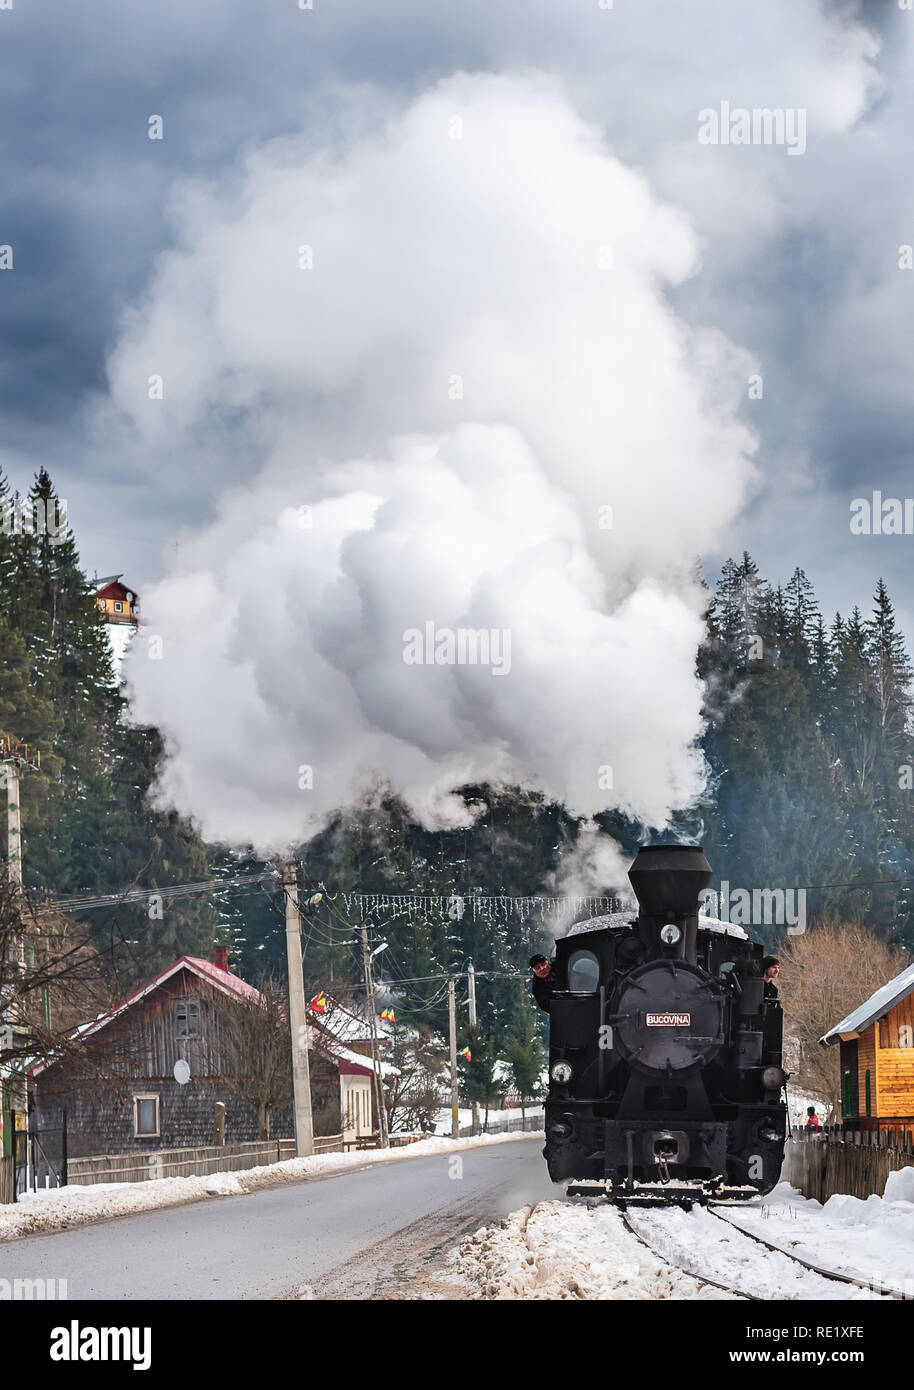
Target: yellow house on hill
(116,603)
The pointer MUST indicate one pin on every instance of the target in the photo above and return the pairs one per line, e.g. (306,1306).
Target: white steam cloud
(478,370)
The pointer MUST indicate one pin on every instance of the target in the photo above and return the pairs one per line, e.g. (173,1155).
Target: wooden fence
(857,1163)
(179,1163)
(530,1124)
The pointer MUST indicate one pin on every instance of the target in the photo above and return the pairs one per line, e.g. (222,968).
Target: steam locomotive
(665,1075)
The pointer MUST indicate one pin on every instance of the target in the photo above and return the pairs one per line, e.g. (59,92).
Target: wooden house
(876,1043)
(150,1071)
(116,603)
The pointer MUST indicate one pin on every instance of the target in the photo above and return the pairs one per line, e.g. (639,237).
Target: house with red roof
(149,1073)
(117,603)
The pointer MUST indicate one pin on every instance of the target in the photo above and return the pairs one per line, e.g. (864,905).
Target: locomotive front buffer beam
(686,1195)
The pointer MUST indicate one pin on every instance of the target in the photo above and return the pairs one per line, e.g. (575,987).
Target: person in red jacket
(812,1120)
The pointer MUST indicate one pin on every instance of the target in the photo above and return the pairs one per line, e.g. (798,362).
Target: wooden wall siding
(186,1116)
(896,1083)
(891,1067)
(138,1052)
(866,1062)
(902,1016)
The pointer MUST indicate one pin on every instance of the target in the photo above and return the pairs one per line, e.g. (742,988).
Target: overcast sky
(796,264)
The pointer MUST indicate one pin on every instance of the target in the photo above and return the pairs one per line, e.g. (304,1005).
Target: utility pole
(375,1059)
(471,989)
(15,758)
(298,1020)
(452,1020)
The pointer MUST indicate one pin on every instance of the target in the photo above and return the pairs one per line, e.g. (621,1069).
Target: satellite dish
(182,1072)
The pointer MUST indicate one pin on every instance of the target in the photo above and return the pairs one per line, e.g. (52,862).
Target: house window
(186,1018)
(117,606)
(146,1116)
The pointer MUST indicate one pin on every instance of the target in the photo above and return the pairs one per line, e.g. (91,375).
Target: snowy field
(561,1250)
(60,1209)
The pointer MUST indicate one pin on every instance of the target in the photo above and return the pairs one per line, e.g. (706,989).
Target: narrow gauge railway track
(885,1290)
(692,1273)
(873,1286)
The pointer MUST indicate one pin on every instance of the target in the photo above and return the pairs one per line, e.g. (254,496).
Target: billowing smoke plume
(473,455)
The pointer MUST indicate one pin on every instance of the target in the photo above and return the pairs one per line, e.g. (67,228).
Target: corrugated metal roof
(885,998)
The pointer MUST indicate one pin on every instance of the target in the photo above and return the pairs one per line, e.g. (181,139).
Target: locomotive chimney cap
(670,880)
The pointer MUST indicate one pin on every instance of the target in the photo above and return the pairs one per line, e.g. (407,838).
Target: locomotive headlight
(561,1072)
(670,934)
(773,1078)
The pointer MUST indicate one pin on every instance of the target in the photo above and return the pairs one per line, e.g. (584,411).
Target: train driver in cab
(772,970)
(543,980)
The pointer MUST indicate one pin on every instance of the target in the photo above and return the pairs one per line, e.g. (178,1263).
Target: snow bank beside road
(60,1209)
(562,1251)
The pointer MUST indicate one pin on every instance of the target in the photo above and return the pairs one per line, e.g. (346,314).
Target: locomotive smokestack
(669,881)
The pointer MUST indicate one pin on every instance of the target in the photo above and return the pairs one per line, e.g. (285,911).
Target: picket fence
(854,1162)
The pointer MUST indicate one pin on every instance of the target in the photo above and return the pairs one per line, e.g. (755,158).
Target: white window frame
(147,1134)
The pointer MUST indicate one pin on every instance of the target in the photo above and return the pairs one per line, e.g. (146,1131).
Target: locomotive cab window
(583,973)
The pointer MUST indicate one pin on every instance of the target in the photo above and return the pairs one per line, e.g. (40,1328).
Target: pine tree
(524,1049)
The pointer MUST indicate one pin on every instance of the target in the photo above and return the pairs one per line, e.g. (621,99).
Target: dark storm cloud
(800,254)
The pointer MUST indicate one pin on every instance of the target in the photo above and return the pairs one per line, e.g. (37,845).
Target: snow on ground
(496,1117)
(563,1250)
(59,1209)
(698,1240)
(872,1239)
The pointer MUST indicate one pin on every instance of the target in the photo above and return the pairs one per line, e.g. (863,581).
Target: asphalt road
(376,1232)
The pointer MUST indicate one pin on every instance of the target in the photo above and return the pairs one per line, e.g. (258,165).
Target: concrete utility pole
(375,1058)
(452,1020)
(15,758)
(298,1018)
(471,988)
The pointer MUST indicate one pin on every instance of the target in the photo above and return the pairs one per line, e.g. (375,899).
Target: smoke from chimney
(440,367)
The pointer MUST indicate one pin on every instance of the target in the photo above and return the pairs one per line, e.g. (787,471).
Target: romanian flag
(467,1054)
(318,1004)
(387,1016)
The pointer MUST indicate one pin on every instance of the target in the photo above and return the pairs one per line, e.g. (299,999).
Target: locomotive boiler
(665,1068)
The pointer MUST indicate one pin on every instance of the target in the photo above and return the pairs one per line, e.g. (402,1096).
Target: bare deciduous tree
(52,978)
(826,973)
(414,1098)
(256,1051)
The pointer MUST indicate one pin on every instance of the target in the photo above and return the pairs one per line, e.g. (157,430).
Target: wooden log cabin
(876,1042)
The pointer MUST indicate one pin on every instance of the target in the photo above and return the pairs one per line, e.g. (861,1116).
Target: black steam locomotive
(665,1076)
